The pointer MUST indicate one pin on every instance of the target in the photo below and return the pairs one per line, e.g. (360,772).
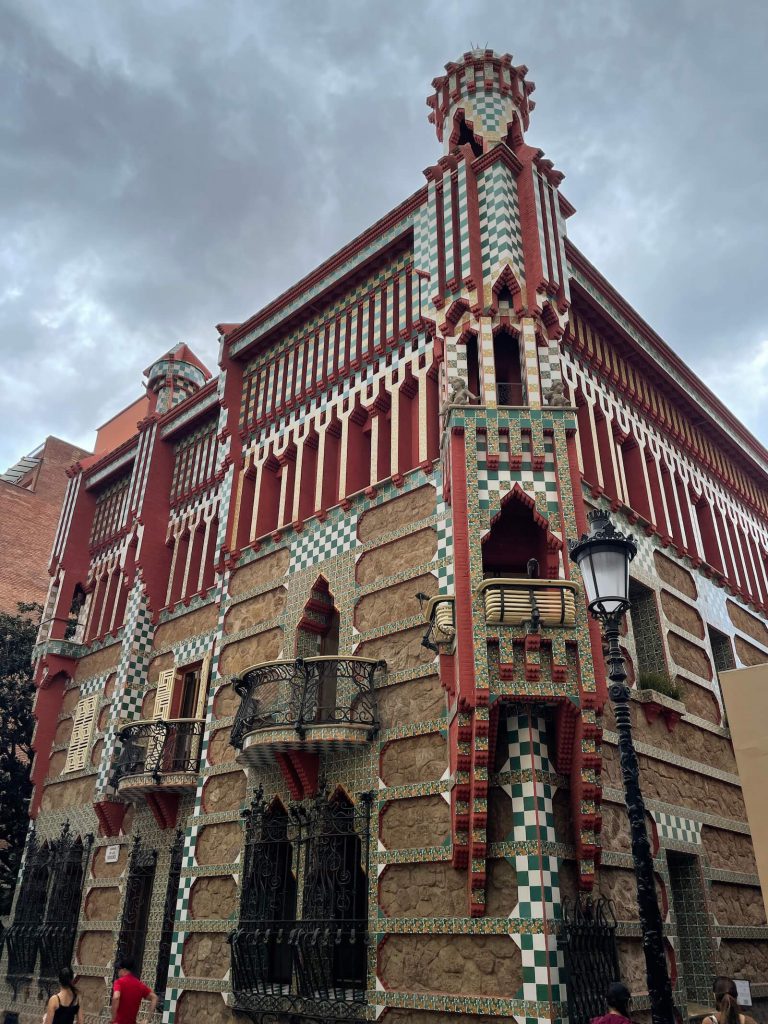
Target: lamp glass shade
(604,568)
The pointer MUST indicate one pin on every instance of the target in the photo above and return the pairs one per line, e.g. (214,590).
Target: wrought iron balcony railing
(513,602)
(307,694)
(509,394)
(157,748)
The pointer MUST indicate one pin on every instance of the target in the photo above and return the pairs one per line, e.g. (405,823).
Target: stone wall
(397,514)
(200,621)
(213,898)
(484,965)
(689,656)
(99,662)
(219,749)
(243,654)
(101,869)
(682,614)
(96,949)
(255,610)
(400,650)
(738,958)
(419,700)
(398,556)
(257,573)
(423,890)
(103,904)
(416,759)
(747,623)
(411,823)
(225,792)
(731,851)
(748,653)
(60,796)
(675,575)
(203,1008)
(206,955)
(738,905)
(219,844)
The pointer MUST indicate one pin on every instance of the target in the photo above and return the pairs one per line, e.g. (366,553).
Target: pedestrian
(727,1004)
(128,992)
(64,1007)
(618,998)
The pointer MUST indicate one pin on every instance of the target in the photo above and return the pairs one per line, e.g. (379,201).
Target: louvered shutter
(85,716)
(164,693)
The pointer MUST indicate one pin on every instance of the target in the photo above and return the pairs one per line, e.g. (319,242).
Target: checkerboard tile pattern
(678,830)
(131,674)
(499,222)
(538,886)
(336,536)
(444,553)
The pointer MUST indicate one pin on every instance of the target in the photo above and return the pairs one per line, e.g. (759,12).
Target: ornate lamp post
(603,556)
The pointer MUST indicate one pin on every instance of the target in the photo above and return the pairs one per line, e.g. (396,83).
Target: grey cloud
(167,166)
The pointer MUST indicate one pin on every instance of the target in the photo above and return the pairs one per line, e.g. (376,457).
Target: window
(82,730)
(138,902)
(47,908)
(320,846)
(649,644)
(169,916)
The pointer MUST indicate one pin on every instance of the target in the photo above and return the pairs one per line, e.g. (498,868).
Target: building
(427,780)
(31,493)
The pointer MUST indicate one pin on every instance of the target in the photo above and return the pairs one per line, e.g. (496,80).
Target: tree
(17,638)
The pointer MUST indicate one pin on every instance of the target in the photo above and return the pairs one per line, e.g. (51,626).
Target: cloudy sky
(169,164)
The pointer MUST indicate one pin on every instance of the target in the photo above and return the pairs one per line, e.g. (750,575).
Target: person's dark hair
(726,1003)
(67,980)
(126,963)
(619,997)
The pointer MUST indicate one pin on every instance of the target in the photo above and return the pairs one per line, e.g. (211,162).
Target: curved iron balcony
(305,704)
(514,602)
(158,753)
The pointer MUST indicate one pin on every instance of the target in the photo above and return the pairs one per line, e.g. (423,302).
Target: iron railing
(160,747)
(306,692)
(510,394)
(47,908)
(588,940)
(313,964)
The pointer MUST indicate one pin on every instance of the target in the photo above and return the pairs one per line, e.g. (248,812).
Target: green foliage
(660,682)
(17,638)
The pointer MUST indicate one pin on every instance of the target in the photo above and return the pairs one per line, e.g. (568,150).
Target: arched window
(519,533)
(506,359)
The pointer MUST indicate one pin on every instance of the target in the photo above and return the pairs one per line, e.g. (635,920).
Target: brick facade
(29,515)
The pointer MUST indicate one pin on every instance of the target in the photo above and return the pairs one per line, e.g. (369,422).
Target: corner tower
(520,660)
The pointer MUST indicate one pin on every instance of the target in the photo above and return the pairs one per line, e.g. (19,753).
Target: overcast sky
(167,165)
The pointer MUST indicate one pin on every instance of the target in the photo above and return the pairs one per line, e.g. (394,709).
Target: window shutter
(82,728)
(164,693)
(202,690)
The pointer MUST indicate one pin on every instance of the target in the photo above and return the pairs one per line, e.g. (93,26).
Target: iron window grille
(305,692)
(587,939)
(138,901)
(313,855)
(169,915)
(47,908)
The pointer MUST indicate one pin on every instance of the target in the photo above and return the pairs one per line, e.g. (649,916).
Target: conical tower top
(481,99)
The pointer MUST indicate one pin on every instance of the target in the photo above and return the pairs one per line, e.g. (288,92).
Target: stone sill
(655,704)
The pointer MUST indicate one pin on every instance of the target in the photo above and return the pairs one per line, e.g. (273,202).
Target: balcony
(308,704)
(158,754)
(509,394)
(515,602)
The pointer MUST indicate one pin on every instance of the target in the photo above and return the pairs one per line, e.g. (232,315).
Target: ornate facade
(331,725)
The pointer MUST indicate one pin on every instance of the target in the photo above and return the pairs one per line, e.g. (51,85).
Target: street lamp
(603,556)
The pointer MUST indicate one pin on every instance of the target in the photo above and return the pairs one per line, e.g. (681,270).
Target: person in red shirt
(128,992)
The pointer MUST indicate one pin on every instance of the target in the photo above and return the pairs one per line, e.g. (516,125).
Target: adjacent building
(31,493)
(329,738)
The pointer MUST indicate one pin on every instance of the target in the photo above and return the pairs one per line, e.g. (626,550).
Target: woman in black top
(64,1007)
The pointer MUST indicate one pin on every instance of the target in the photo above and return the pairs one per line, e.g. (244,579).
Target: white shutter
(85,716)
(164,693)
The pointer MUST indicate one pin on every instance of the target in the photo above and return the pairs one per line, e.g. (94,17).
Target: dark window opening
(473,366)
(138,902)
(169,916)
(467,137)
(506,360)
(515,538)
